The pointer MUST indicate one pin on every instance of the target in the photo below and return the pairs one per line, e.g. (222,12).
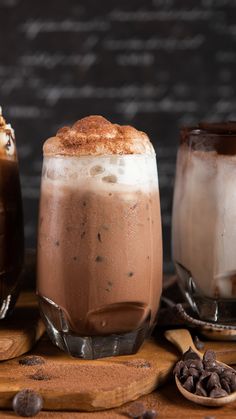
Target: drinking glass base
(216,310)
(88,347)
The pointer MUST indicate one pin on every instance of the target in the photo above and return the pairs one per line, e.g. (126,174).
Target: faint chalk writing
(54,93)
(132,108)
(32,27)
(163,15)
(144,59)
(43,59)
(154,43)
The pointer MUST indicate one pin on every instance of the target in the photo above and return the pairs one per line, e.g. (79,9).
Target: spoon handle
(182,339)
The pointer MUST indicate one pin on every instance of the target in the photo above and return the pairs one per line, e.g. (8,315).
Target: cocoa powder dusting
(95,135)
(72,377)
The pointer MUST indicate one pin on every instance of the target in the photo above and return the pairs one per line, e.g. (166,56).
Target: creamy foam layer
(102,173)
(96,136)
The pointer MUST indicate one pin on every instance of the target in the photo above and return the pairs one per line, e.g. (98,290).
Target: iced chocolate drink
(11,223)
(204,220)
(99,243)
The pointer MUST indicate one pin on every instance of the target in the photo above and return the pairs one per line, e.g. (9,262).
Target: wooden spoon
(182,339)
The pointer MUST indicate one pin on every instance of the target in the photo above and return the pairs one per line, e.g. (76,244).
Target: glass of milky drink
(204,220)
(99,242)
(11,221)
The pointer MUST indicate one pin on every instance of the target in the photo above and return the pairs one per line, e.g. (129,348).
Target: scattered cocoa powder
(138,363)
(70,376)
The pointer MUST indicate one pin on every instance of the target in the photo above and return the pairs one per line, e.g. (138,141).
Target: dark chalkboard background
(152,64)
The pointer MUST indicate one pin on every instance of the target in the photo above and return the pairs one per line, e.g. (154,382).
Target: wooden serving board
(19,333)
(69,384)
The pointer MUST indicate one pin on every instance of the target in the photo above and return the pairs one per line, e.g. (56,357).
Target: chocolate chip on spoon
(190,354)
(213,381)
(209,357)
(194,372)
(200,391)
(189,384)
(184,373)
(178,367)
(27,403)
(225,385)
(233,382)
(218,392)
(195,363)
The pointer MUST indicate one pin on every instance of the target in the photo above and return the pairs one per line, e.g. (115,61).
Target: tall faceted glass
(99,251)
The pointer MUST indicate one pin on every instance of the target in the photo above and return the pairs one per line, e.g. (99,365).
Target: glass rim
(210,129)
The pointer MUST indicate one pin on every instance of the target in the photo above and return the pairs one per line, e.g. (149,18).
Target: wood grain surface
(73,384)
(166,400)
(158,354)
(19,333)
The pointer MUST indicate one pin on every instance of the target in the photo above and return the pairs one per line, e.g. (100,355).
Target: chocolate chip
(190,354)
(218,392)
(178,368)
(194,372)
(204,376)
(233,382)
(189,384)
(209,356)
(227,373)
(200,391)
(195,363)
(40,376)
(214,367)
(198,343)
(130,274)
(136,410)
(225,385)
(150,414)
(213,381)
(27,403)
(99,237)
(99,259)
(32,360)
(82,235)
(184,373)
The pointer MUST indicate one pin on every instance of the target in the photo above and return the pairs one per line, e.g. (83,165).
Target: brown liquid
(11,228)
(100,257)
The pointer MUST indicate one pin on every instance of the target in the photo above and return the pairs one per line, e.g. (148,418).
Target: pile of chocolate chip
(205,377)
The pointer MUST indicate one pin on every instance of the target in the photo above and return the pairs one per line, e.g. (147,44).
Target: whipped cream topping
(96,136)
(7,138)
